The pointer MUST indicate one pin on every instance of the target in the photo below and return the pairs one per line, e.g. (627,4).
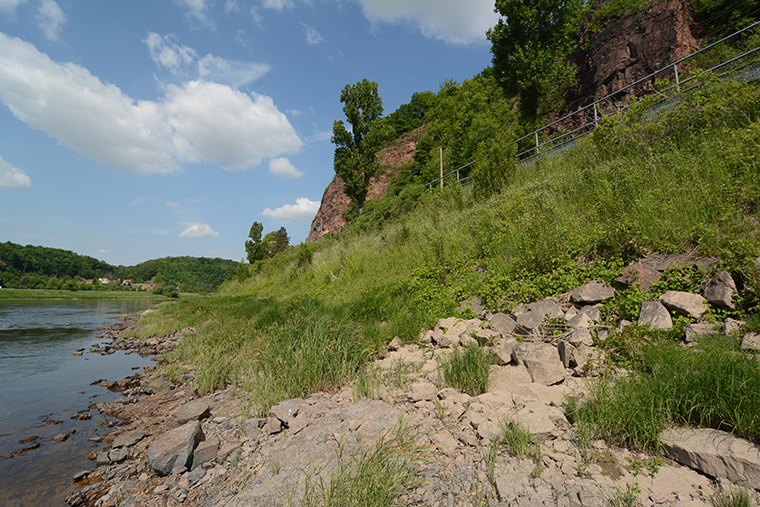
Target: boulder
(685,303)
(503,324)
(696,331)
(655,315)
(422,390)
(720,291)
(155,385)
(592,292)
(715,453)
(192,411)
(638,274)
(529,318)
(174,449)
(571,356)
(129,438)
(731,326)
(288,409)
(540,351)
(580,336)
(751,342)
(545,372)
(503,350)
(205,452)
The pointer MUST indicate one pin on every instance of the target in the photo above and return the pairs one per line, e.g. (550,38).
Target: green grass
(714,386)
(14,294)
(467,370)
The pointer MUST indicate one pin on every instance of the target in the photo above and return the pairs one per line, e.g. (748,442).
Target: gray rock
(174,449)
(654,314)
(545,372)
(715,453)
(581,336)
(592,292)
(685,303)
(503,350)
(638,274)
(540,351)
(192,411)
(474,304)
(503,324)
(751,342)
(288,409)
(529,318)
(731,326)
(156,384)
(118,455)
(129,438)
(570,355)
(696,331)
(273,426)
(205,452)
(395,344)
(226,450)
(422,390)
(720,291)
(102,459)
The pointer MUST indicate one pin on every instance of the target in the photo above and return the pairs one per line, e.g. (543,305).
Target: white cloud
(12,177)
(160,232)
(9,6)
(197,9)
(303,209)
(195,230)
(283,168)
(453,21)
(312,35)
(171,204)
(278,5)
(231,6)
(50,19)
(166,52)
(184,61)
(229,127)
(198,121)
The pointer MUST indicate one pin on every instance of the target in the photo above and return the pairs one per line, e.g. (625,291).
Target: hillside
(37,267)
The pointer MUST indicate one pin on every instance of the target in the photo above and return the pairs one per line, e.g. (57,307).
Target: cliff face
(632,47)
(335,201)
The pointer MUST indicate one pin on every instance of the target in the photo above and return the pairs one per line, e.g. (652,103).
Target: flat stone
(541,351)
(226,449)
(638,274)
(444,442)
(685,303)
(696,331)
(731,326)
(592,292)
(155,385)
(174,448)
(715,453)
(529,318)
(751,342)
(581,336)
(288,409)
(545,372)
(421,390)
(129,438)
(503,350)
(570,355)
(654,314)
(720,291)
(192,411)
(205,452)
(273,426)
(118,455)
(503,324)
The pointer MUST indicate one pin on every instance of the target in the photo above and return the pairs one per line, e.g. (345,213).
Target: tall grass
(467,370)
(715,385)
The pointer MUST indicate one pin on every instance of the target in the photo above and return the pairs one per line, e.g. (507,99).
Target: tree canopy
(530,45)
(355,150)
(255,248)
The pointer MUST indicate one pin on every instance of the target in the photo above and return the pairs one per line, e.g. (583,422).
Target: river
(44,389)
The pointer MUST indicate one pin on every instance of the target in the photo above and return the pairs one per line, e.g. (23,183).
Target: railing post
(678,83)
(536,142)
(457,175)
(596,116)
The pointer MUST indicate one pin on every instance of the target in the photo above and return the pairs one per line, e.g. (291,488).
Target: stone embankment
(175,448)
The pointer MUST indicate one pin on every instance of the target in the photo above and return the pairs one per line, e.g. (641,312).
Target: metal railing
(591,115)
(456,171)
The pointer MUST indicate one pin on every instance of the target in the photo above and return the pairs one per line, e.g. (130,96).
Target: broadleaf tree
(255,249)
(355,150)
(531,44)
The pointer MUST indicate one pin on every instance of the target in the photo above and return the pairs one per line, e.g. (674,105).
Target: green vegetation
(37,267)
(467,370)
(13,294)
(715,386)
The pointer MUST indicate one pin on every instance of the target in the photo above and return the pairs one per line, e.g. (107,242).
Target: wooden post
(441,157)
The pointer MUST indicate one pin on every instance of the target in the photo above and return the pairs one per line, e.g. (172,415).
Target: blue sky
(132,130)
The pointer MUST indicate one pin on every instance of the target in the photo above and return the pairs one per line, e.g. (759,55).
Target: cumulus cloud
(283,168)
(194,122)
(168,53)
(50,19)
(452,21)
(303,209)
(160,232)
(12,177)
(196,230)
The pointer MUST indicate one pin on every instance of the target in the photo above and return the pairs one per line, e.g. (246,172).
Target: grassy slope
(686,180)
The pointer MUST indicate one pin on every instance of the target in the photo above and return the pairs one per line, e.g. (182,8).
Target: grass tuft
(467,370)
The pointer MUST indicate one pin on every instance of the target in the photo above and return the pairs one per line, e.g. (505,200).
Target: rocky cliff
(631,47)
(330,217)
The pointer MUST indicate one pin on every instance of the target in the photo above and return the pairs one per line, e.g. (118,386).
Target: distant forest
(38,267)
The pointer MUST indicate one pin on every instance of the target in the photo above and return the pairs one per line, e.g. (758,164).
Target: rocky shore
(174,447)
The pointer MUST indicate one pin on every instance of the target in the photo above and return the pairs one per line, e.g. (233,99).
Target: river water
(44,388)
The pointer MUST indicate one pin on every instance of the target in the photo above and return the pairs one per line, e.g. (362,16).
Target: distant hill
(38,267)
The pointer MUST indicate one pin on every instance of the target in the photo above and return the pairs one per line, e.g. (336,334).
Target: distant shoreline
(20,294)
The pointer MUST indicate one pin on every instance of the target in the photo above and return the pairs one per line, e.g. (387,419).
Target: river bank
(398,430)
(49,294)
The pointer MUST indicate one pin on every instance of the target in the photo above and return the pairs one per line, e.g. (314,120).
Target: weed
(467,370)
(489,452)
(518,440)
(367,384)
(734,497)
(628,497)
